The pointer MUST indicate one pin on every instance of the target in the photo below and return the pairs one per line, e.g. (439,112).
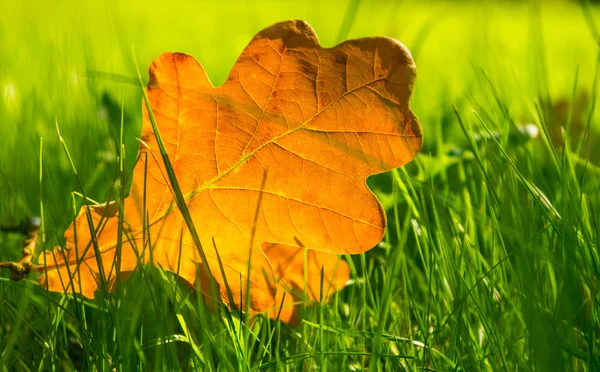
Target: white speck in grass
(10,94)
(35,221)
(383,245)
(416,227)
(346,310)
(496,295)
(529,130)
(481,334)
(448,289)
(353,282)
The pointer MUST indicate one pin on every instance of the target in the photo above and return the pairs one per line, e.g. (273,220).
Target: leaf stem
(20,269)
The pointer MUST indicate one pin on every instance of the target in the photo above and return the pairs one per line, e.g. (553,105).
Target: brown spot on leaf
(306,69)
(341,59)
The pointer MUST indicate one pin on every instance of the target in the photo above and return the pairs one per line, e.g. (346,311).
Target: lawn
(490,260)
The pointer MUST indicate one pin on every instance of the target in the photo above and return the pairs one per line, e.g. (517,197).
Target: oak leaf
(279,153)
(303,275)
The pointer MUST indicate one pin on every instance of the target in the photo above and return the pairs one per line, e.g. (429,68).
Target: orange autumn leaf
(279,153)
(294,286)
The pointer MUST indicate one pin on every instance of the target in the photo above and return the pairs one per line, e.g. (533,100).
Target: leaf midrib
(247,156)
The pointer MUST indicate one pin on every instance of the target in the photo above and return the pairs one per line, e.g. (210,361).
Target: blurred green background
(73,61)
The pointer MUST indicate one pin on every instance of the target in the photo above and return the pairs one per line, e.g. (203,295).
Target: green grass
(491,257)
